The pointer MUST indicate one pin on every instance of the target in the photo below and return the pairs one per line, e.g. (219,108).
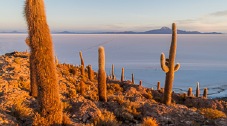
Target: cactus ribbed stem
(102,75)
(169,67)
(33,81)
(42,54)
(122,74)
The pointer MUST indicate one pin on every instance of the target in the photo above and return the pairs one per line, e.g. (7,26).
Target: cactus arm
(177,67)
(163,64)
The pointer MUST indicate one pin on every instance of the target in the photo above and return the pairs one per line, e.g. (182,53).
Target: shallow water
(203,57)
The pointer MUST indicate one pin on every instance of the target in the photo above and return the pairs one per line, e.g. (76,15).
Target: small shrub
(20,110)
(149,121)
(39,121)
(212,113)
(107,119)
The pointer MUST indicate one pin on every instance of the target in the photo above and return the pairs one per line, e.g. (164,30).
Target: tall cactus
(190,92)
(33,81)
(112,72)
(133,81)
(205,92)
(158,85)
(102,75)
(197,90)
(169,67)
(90,73)
(122,74)
(42,55)
(81,58)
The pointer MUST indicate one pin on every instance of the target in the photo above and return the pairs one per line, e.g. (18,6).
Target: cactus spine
(197,90)
(205,92)
(102,75)
(190,92)
(133,81)
(81,58)
(122,74)
(42,55)
(158,86)
(169,67)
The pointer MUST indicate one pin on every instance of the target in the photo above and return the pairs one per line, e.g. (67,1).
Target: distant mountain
(163,30)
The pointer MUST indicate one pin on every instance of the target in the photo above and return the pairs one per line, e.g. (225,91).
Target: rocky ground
(128,104)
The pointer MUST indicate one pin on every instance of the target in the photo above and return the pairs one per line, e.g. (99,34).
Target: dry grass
(39,121)
(20,110)
(149,121)
(212,113)
(107,119)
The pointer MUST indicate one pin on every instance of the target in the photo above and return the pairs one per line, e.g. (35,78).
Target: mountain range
(163,30)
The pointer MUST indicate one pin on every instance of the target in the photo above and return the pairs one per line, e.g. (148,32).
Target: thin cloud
(219,13)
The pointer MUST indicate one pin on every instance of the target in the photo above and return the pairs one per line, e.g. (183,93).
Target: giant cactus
(102,75)
(43,58)
(169,67)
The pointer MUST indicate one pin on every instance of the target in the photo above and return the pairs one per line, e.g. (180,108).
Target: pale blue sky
(121,15)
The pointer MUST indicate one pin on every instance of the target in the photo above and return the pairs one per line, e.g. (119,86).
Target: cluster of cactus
(101,75)
(41,46)
(169,67)
(205,92)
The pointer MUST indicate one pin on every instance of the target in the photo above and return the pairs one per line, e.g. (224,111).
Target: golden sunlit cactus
(90,73)
(33,81)
(133,81)
(169,67)
(82,71)
(122,74)
(42,54)
(190,92)
(205,92)
(158,85)
(82,87)
(197,90)
(81,58)
(102,75)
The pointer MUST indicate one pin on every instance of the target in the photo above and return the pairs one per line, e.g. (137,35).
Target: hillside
(128,104)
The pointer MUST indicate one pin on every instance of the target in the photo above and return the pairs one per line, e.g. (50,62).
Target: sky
(121,15)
